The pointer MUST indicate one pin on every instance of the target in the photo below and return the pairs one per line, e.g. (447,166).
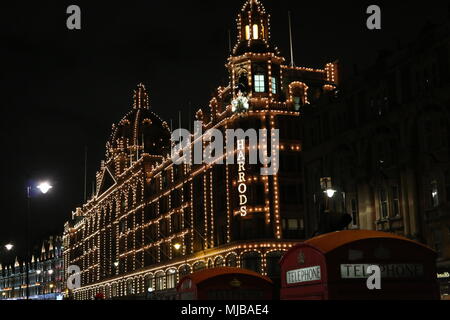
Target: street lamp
(177,246)
(330,193)
(9,246)
(44,188)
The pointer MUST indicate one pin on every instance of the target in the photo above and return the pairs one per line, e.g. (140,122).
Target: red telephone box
(225,283)
(334,267)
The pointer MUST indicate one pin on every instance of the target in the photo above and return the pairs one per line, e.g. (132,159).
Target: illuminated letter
(242,200)
(241,136)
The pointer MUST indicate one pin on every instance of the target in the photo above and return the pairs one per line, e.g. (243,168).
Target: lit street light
(330,193)
(44,188)
(9,246)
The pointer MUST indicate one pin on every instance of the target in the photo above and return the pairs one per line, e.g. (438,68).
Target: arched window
(171,278)
(114,290)
(255,31)
(218,262)
(251,261)
(184,271)
(232,260)
(273,267)
(247,32)
(148,283)
(298,92)
(200,265)
(159,281)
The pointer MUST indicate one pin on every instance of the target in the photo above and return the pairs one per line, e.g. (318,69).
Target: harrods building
(150,221)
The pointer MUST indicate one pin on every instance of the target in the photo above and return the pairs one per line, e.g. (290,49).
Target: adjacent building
(384,144)
(45,275)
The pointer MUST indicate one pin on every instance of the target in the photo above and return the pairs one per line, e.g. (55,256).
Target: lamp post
(330,220)
(44,188)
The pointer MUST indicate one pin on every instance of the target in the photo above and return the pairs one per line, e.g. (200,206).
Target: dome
(140,130)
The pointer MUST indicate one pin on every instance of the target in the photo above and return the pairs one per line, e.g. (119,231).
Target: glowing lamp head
(330,193)
(38,271)
(9,246)
(116,264)
(177,246)
(50,272)
(44,187)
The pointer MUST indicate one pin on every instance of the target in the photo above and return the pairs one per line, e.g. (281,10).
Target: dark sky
(61,90)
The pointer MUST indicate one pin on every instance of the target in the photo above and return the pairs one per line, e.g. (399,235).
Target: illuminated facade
(150,221)
(46,275)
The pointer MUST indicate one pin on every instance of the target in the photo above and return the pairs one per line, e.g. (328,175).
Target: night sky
(62,90)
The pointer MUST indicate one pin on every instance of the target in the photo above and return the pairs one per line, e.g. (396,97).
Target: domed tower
(140,132)
(255,64)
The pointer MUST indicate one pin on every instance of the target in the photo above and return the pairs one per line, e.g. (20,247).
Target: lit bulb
(44,187)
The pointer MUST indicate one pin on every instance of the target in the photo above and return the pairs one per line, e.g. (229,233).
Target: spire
(253,22)
(253,30)
(16,263)
(290,40)
(140,98)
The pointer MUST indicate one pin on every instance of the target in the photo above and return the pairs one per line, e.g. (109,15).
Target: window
(447,185)
(247,32)
(274,85)
(437,240)
(122,226)
(159,282)
(259,83)
(252,261)
(395,201)
(354,208)
(255,31)
(297,103)
(171,279)
(383,204)
(434,194)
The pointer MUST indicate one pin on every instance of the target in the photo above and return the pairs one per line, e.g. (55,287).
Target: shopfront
(335,266)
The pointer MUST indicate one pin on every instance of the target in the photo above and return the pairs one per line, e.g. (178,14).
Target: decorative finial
(140,97)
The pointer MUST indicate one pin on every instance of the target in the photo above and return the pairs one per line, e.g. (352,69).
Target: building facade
(151,221)
(46,275)
(385,142)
